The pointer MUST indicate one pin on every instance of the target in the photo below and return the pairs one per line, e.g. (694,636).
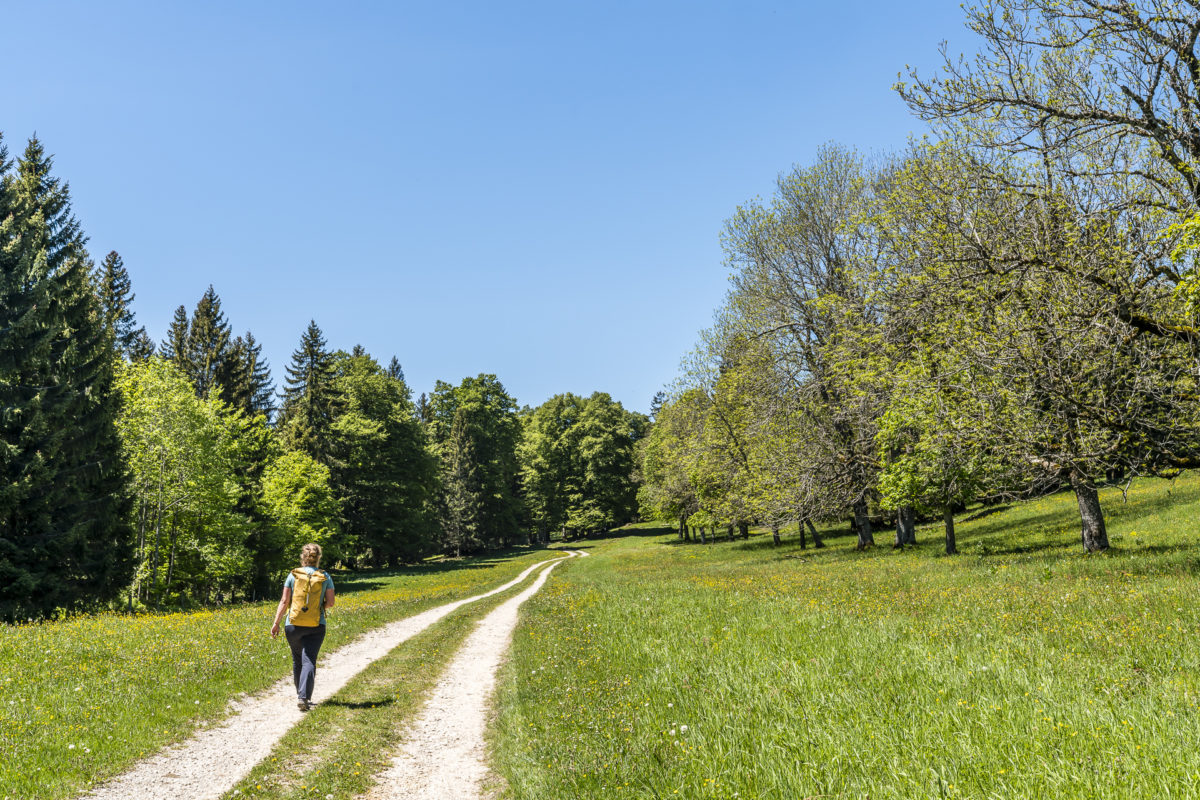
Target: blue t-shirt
(290,583)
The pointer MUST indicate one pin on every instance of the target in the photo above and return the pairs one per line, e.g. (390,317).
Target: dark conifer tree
(64,537)
(25,331)
(232,378)
(207,343)
(174,348)
(116,297)
(245,378)
(258,371)
(462,511)
(394,370)
(142,347)
(310,398)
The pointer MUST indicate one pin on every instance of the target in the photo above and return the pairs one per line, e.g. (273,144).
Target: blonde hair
(310,555)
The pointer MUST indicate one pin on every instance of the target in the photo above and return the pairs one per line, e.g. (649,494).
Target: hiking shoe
(302,705)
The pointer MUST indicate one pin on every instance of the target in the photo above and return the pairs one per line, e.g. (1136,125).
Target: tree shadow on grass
(985,512)
(622,533)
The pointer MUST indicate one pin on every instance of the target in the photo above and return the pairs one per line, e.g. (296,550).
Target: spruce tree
(231,376)
(462,511)
(142,347)
(116,296)
(174,348)
(394,370)
(258,372)
(25,332)
(207,343)
(309,397)
(245,378)
(63,528)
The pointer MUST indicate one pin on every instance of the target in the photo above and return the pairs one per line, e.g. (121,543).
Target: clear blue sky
(532,189)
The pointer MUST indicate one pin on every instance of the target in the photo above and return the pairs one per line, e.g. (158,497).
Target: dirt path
(443,754)
(212,761)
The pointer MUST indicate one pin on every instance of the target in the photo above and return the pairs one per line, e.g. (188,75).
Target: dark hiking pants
(305,644)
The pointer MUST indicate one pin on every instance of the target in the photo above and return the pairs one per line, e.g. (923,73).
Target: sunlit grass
(1019,669)
(84,698)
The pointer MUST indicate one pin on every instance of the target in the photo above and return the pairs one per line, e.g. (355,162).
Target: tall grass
(1020,669)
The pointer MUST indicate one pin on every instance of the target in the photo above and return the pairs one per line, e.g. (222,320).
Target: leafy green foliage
(297,496)
(577,460)
(183,459)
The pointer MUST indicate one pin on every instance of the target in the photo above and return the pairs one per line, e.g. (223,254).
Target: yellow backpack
(308,596)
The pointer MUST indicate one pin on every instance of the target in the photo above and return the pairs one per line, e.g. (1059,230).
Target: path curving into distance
(442,756)
(213,760)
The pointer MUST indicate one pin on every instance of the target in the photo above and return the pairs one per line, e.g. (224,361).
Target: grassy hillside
(1021,668)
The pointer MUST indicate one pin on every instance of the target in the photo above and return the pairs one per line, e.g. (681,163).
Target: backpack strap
(312,579)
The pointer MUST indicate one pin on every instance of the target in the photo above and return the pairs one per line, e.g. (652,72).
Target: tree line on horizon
(1009,307)
(142,476)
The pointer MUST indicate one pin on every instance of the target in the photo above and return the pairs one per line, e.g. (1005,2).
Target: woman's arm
(284,602)
(328,599)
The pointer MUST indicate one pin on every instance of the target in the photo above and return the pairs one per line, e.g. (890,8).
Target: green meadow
(1021,668)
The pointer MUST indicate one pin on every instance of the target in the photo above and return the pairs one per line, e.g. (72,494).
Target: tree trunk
(948,517)
(683,528)
(775,535)
(906,528)
(862,526)
(143,516)
(206,587)
(729,530)
(744,529)
(154,559)
(803,539)
(171,559)
(1095,535)
(701,529)
(816,536)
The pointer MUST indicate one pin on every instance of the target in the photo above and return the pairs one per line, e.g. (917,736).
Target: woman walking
(307,594)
